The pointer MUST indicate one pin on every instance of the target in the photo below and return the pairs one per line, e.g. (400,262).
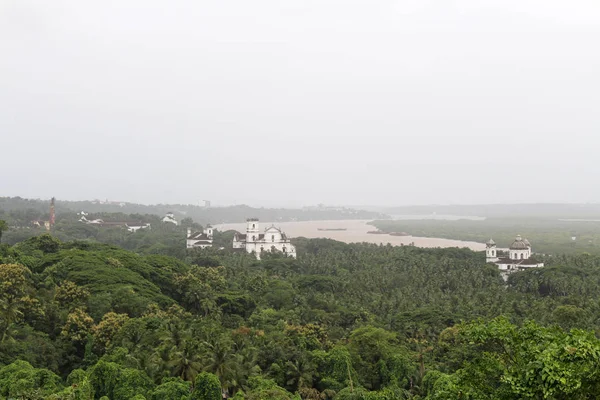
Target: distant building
(41,224)
(200,240)
(170,218)
(136,226)
(131,226)
(519,256)
(273,239)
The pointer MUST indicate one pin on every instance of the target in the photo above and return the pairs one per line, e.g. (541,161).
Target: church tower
(491,254)
(252,230)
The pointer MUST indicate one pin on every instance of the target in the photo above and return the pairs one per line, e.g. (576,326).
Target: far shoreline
(353,231)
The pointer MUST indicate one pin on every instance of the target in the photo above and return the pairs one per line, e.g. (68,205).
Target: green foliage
(171,389)
(526,362)
(21,380)
(206,387)
(342,321)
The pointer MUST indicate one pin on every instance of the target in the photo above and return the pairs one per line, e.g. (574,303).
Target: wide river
(356,231)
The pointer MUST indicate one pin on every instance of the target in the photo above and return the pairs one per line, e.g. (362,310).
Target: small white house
(136,226)
(170,218)
(273,239)
(200,240)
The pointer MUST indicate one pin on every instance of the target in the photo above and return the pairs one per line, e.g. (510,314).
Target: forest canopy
(81,320)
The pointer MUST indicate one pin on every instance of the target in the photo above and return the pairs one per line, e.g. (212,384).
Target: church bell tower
(491,254)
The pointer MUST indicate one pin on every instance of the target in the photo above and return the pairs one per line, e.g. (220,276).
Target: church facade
(272,239)
(519,256)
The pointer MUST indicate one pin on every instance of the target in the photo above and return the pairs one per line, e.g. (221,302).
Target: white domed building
(273,239)
(519,256)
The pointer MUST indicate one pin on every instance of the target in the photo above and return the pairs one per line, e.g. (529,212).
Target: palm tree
(221,361)
(299,373)
(9,312)
(3,228)
(184,361)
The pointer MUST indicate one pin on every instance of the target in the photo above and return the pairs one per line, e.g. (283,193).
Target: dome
(519,244)
(490,243)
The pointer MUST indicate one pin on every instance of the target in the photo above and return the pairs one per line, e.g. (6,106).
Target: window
(284,249)
(253,238)
(272,238)
(253,226)
(521,256)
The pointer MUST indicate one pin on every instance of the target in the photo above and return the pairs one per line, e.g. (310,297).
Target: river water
(356,231)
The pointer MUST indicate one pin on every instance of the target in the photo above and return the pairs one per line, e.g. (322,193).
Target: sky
(291,103)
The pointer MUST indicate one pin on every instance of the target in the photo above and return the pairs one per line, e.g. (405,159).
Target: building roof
(202,242)
(490,243)
(239,236)
(519,244)
(529,261)
(198,236)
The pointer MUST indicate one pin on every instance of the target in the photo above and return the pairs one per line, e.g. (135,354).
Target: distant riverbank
(353,231)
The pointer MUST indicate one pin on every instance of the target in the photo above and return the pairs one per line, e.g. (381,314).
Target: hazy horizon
(272,103)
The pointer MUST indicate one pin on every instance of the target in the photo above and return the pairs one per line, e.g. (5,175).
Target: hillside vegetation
(20,211)
(81,320)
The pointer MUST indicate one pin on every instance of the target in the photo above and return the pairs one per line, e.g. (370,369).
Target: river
(355,231)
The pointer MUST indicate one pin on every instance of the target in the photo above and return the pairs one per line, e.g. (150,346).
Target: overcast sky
(288,103)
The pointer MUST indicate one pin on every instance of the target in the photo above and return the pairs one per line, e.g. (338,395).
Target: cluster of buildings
(255,241)
(518,257)
(131,226)
(271,240)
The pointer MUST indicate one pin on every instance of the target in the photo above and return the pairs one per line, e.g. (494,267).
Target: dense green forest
(20,212)
(85,320)
(547,236)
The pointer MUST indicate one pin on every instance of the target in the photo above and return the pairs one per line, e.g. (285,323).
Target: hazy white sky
(272,102)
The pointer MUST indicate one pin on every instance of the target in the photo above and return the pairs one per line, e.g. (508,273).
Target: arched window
(253,238)
(253,226)
(284,249)
(521,256)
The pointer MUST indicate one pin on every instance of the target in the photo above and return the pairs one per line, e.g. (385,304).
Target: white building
(273,239)
(130,226)
(519,256)
(136,226)
(170,218)
(200,240)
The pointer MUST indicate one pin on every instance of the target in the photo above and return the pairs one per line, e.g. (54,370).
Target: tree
(108,327)
(78,326)
(69,294)
(3,228)
(529,362)
(21,380)
(171,388)
(14,285)
(206,387)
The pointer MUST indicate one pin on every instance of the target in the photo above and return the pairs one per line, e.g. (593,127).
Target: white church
(273,239)
(519,256)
